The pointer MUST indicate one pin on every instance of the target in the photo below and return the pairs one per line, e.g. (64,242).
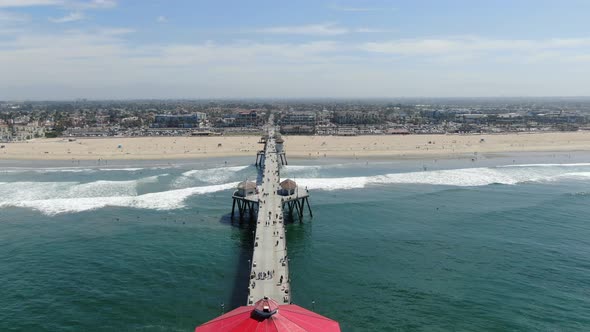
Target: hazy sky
(62,49)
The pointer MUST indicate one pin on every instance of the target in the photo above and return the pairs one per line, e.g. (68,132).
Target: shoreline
(297,147)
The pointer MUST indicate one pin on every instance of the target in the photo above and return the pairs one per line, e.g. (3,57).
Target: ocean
(481,243)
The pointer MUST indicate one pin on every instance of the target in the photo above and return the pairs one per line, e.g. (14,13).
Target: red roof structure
(268,316)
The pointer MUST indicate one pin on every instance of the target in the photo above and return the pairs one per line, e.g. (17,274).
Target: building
(27,132)
(179,121)
(297,130)
(347,131)
(298,123)
(5,133)
(299,119)
(88,132)
(356,117)
(397,131)
(246,188)
(288,187)
(267,315)
(248,119)
(279,144)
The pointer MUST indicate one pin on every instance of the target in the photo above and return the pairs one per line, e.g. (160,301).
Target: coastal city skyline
(22,121)
(115,49)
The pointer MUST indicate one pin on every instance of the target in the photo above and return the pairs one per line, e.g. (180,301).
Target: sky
(129,49)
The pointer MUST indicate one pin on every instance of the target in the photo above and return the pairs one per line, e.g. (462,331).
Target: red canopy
(267,316)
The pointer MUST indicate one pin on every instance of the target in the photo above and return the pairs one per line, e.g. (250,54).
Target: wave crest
(468,177)
(165,200)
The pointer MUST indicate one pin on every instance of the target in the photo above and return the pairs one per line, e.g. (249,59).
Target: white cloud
(358,9)
(322,29)
(80,5)
(115,31)
(71,17)
(325,29)
(372,30)
(29,3)
(99,63)
(98,4)
(78,8)
(471,45)
(161,19)
(13,18)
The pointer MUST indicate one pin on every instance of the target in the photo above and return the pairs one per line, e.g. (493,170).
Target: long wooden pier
(269,287)
(269,271)
(268,202)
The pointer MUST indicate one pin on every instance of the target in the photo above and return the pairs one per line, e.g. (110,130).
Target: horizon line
(85,99)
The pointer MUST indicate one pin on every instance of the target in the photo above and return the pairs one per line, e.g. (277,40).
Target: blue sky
(64,49)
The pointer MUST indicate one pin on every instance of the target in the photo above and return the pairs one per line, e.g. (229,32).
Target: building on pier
(246,199)
(246,188)
(279,144)
(268,315)
(288,187)
(280,150)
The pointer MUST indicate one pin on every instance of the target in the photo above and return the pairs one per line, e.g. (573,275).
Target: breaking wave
(300,168)
(73,197)
(214,171)
(48,170)
(66,197)
(469,177)
(546,165)
(210,175)
(303,171)
(69,170)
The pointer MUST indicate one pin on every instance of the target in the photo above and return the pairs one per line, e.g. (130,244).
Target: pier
(269,269)
(279,150)
(268,201)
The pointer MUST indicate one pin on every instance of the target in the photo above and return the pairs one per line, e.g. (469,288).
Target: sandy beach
(154,148)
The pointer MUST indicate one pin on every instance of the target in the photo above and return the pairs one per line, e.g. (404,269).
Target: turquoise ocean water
(482,244)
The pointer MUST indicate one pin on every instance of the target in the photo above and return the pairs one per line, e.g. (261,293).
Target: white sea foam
(301,167)
(54,170)
(213,171)
(130,169)
(297,168)
(66,197)
(61,170)
(165,200)
(575,175)
(209,175)
(66,170)
(26,191)
(333,183)
(306,170)
(469,177)
(546,165)
(76,169)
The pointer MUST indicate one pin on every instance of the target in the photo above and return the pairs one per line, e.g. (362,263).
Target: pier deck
(269,261)
(254,198)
